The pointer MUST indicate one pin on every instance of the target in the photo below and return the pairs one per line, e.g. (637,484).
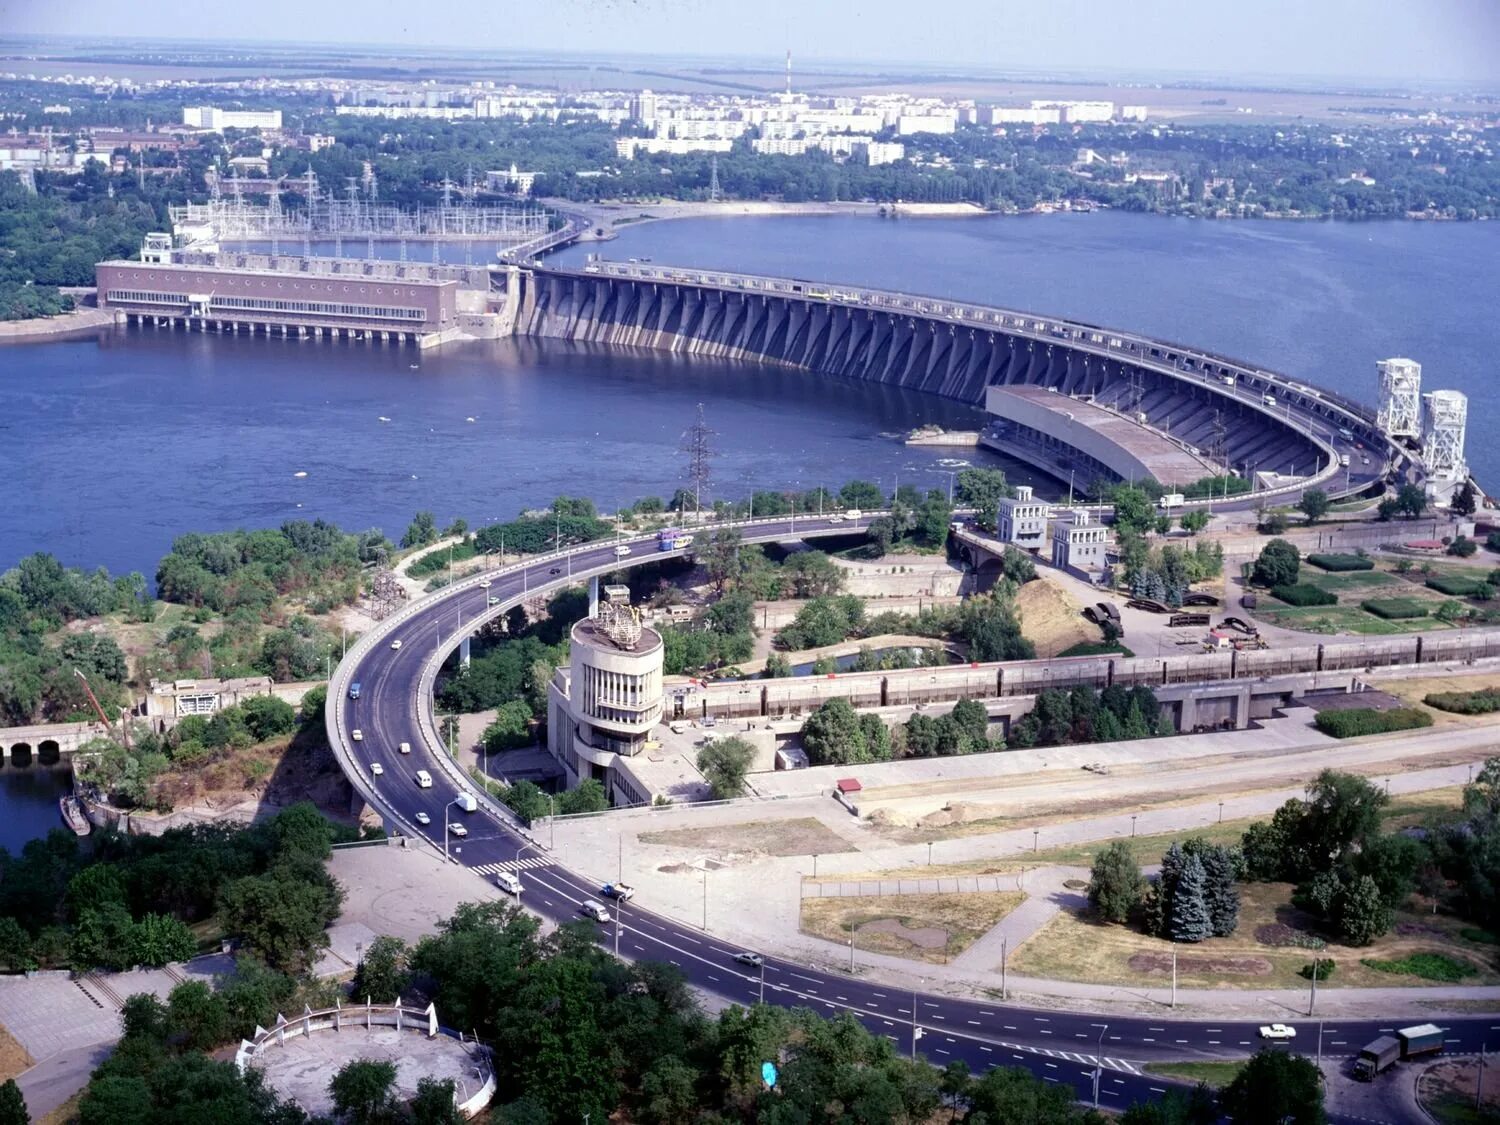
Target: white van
(509,882)
(853,514)
(465,800)
(594,910)
(405,748)
(621,551)
(424,779)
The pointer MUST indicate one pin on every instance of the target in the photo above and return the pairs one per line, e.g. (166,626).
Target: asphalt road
(1058,1046)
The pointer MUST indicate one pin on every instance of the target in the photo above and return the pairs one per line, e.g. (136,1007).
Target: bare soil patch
(801,836)
(13,1057)
(1052,620)
(934,927)
(1446,1090)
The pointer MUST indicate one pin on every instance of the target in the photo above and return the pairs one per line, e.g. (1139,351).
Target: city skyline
(1454,40)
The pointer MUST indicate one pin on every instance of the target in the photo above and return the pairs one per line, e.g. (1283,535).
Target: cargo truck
(1407,1043)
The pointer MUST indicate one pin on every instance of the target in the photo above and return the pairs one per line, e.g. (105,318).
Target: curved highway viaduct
(945,347)
(395,706)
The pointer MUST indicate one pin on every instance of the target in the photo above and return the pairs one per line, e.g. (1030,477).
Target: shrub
(1394,609)
(1323,965)
(1366,720)
(1463,547)
(1492,540)
(1096,648)
(1454,585)
(1480,702)
(1304,594)
(1341,562)
(1277,564)
(1428,966)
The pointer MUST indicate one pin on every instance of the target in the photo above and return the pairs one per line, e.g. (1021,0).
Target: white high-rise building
(212,117)
(644,107)
(1400,411)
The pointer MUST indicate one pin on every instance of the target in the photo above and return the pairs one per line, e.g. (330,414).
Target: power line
(697,443)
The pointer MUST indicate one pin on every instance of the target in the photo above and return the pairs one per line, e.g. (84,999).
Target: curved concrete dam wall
(935,346)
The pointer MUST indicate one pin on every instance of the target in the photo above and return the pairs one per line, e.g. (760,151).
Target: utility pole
(851,951)
(763,981)
(1174,977)
(1313,999)
(619,922)
(1004,942)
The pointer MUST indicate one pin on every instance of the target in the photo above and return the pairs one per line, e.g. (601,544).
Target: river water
(109,448)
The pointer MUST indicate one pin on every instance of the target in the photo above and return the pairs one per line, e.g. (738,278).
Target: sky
(1423,40)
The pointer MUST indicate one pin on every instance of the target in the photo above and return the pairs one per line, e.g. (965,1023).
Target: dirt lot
(1051,619)
(13,1056)
(804,836)
(921,927)
(1446,1091)
(1071,947)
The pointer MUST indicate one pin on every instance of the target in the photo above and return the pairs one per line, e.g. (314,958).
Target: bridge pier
(594,596)
(463,652)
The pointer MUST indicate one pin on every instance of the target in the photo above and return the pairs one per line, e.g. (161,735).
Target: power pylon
(697,443)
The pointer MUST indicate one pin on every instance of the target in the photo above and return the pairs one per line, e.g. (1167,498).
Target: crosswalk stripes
(511,865)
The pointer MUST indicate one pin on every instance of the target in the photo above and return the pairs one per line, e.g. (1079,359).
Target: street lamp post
(763,980)
(705,900)
(1099,1060)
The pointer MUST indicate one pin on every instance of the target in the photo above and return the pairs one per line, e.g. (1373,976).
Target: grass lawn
(1071,947)
(1336,582)
(1214,1074)
(1346,619)
(931,928)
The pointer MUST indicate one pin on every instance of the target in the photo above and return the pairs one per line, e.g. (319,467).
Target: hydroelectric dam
(1045,380)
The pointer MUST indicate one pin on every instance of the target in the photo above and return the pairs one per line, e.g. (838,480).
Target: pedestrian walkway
(526,864)
(1046,894)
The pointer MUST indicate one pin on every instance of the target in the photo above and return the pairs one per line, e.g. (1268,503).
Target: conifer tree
(1222,895)
(1188,910)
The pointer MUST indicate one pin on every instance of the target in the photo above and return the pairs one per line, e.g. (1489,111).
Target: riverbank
(45,329)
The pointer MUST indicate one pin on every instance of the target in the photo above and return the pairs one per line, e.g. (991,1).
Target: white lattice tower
(1400,412)
(622,624)
(1445,416)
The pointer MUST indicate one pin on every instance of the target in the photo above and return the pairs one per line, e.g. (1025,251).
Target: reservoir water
(111,447)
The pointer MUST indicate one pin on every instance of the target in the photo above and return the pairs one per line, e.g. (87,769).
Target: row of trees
(1064,716)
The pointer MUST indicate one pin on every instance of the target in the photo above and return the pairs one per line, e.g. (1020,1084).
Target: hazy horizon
(1450,41)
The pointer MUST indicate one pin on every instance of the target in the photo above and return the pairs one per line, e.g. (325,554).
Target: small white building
(1021,519)
(1080,546)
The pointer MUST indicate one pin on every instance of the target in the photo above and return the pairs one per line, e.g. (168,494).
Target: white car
(423,818)
(405,748)
(493,600)
(396,644)
(1278,1031)
(508,881)
(621,551)
(357,734)
(484,584)
(457,829)
(376,768)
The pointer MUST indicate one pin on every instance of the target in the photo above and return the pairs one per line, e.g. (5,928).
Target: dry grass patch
(931,928)
(801,836)
(65,1114)
(13,1057)
(1074,947)
(1215,1074)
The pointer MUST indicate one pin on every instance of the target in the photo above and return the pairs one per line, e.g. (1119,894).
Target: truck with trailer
(1406,1043)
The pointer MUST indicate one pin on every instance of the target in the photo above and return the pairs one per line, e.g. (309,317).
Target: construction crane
(103,718)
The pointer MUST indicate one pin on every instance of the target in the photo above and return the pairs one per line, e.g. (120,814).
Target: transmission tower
(1216,444)
(714,194)
(697,443)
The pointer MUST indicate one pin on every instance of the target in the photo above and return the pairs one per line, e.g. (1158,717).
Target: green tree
(268,717)
(281,917)
(668,1092)
(421,531)
(1195,521)
(1134,511)
(435,1101)
(1275,1086)
(117,1100)
(1188,917)
(1466,499)
(197,1018)
(1411,500)
(722,559)
(835,735)
(364,1092)
(102,938)
(991,626)
(383,975)
(1116,885)
(1313,504)
(725,764)
(862,494)
(1221,891)
(511,728)
(1342,811)
(12,1104)
(777,667)
(160,939)
(1363,915)
(982,489)
(1277,564)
